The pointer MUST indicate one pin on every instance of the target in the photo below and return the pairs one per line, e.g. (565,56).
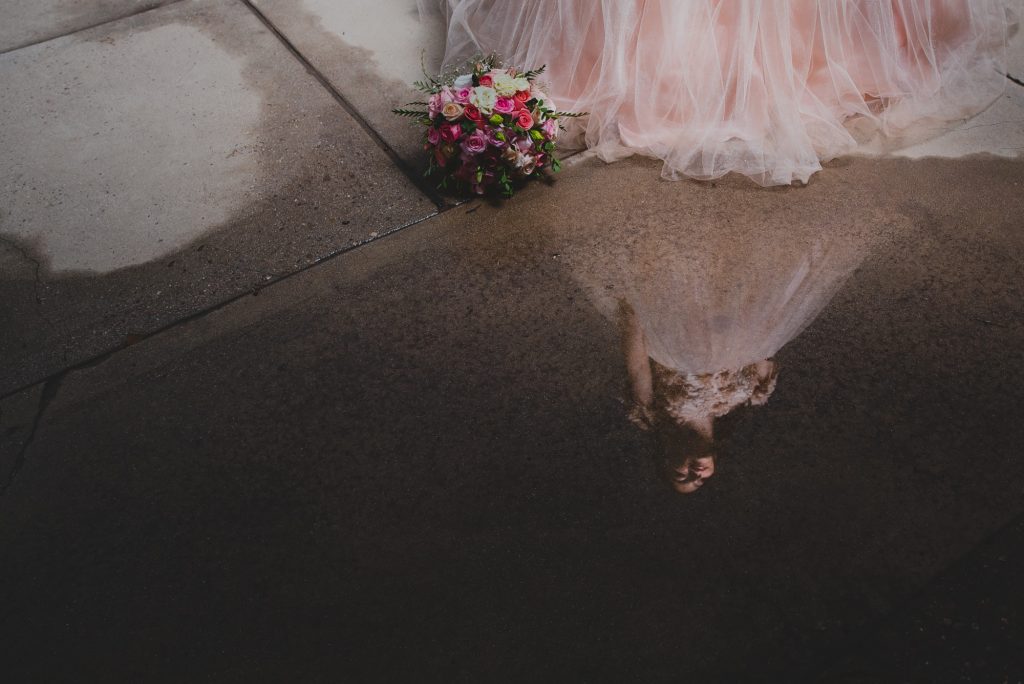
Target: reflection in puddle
(701,318)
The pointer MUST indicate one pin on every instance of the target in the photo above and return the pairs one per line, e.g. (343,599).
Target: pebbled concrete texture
(414,458)
(372,51)
(209,166)
(31,21)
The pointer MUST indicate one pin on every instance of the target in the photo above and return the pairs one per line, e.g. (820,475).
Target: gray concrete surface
(161,164)
(413,458)
(371,51)
(32,21)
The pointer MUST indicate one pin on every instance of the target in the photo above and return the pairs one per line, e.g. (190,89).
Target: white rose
(484,99)
(464,81)
(505,85)
(521,84)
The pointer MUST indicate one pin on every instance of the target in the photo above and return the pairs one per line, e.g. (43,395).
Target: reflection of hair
(683,439)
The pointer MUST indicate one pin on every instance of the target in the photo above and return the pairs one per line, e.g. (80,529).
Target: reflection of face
(689,475)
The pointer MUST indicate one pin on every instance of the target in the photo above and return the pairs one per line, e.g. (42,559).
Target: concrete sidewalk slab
(371,50)
(132,148)
(414,458)
(26,22)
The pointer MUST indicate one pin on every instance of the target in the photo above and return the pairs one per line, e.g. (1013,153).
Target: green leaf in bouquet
(534,73)
(411,113)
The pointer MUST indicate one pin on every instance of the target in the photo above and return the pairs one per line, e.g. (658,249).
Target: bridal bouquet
(489,129)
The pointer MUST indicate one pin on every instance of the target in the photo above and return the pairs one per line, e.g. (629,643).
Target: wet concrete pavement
(335,436)
(414,458)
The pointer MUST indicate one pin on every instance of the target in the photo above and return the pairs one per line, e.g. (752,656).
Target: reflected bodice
(688,397)
(681,397)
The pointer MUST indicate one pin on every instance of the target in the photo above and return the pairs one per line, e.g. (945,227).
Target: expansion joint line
(46,398)
(141,10)
(414,177)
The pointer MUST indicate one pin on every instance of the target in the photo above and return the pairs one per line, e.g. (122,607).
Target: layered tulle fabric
(704,308)
(766,88)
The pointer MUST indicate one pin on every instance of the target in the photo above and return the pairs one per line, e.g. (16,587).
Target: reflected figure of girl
(702,316)
(682,407)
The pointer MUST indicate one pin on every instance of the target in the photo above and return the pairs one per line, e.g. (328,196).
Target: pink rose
(550,128)
(434,105)
(505,105)
(452,111)
(446,95)
(433,136)
(451,132)
(525,120)
(523,96)
(461,95)
(487,81)
(475,143)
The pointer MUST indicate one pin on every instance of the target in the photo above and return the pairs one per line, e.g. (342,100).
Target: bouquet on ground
(489,129)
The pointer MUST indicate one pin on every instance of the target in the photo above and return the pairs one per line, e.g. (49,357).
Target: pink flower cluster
(489,129)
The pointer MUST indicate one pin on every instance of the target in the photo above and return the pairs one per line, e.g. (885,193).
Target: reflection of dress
(767,88)
(711,308)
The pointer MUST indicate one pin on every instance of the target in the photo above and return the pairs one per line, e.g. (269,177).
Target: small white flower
(464,81)
(505,84)
(484,99)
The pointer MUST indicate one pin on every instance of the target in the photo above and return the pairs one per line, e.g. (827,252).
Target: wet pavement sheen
(416,461)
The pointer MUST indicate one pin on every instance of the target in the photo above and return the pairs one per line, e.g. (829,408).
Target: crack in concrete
(37,281)
(49,393)
(201,313)
(157,4)
(1014,79)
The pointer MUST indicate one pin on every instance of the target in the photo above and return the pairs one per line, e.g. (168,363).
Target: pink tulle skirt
(765,88)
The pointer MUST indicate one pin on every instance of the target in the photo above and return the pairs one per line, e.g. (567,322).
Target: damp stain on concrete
(121,151)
